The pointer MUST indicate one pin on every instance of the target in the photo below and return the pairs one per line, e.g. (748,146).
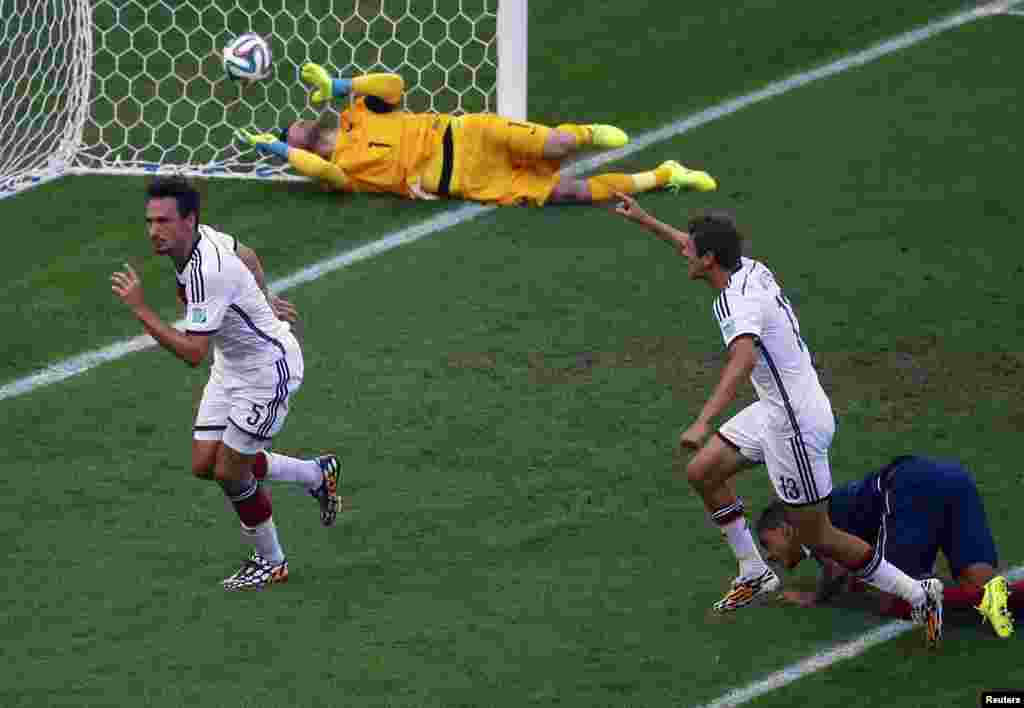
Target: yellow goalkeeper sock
(653,179)
(604,187)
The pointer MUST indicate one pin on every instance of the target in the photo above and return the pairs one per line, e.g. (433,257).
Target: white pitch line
(823,659)
(83,362)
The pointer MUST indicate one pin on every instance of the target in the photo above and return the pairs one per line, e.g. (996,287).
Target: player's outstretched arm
(631,211)
(304,161)
(386,87)
(742,357)
(191,349)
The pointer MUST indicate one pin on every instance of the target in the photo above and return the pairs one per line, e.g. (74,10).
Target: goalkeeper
(378,147)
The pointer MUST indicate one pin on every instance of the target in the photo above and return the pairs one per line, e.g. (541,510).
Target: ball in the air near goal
(247,57)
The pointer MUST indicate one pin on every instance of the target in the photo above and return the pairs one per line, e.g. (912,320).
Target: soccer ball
(247,57)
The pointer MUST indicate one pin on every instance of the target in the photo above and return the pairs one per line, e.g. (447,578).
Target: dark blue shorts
(933,505)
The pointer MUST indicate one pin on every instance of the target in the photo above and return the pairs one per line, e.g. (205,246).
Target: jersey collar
(192,253)
(734,271)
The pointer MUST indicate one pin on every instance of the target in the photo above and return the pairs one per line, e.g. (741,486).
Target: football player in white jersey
(789,429)
(257,367)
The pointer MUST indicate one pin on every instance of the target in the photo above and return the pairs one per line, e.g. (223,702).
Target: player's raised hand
(317,77)
(693,437)
(127,285)
(283,309)
(628,207)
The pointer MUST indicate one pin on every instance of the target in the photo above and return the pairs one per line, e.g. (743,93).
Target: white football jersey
(222,300)
(784,376)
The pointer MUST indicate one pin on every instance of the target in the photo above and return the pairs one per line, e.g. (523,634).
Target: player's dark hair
(177,188)
(773,517)
(716,232)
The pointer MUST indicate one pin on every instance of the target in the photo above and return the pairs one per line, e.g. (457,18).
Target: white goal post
(137,86)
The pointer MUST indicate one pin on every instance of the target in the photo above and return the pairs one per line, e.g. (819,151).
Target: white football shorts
(797,460)
(246,412)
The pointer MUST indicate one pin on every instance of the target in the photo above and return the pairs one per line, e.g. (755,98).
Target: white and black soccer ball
(247,57)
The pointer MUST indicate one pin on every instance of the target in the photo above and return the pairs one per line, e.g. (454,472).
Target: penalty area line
(65,369)
(824,659)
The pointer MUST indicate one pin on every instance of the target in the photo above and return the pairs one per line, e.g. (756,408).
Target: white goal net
(137,86)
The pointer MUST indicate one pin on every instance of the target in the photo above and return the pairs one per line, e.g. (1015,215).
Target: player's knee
(222,473)
(569,190)
(232,465)
(204,458)
(697,473)
(202,469)
(579,191)
(559,144)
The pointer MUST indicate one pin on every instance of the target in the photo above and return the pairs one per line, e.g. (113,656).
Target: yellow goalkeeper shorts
(497,161)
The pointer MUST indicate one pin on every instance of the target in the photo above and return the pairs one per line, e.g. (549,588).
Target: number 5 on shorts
(257,413)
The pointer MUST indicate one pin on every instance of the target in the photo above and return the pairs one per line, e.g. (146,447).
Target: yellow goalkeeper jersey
(380,147)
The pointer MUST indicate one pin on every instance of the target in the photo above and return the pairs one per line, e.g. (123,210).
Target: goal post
(512,58)
(137,86)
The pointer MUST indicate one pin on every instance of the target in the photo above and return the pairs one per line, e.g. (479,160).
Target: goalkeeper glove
(265,143)
(325,88)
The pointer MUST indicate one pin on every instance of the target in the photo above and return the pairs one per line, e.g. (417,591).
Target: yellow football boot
(993,607)
(683,178)
(607,136)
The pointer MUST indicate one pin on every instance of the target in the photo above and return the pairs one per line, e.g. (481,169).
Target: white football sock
(264,538)
(282,468)
(888,578)
(743,547)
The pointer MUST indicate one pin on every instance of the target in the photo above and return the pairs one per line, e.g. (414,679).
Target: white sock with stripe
(282,468)
(741,541)
(264,538)
(888,578)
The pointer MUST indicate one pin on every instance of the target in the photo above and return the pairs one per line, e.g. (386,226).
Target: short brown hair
(715,232)
(177,188)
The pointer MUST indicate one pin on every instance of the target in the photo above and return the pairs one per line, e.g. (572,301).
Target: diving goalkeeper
(378,147)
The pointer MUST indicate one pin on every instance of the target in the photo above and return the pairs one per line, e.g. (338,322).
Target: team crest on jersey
(199,316)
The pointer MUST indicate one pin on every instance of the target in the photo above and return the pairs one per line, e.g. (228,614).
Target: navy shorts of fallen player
(932,505)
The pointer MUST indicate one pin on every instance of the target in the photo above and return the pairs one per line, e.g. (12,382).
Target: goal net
(137,86)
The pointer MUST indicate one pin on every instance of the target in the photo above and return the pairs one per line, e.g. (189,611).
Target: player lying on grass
(257,367)
(912,508)
(378,147)
(789,429)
